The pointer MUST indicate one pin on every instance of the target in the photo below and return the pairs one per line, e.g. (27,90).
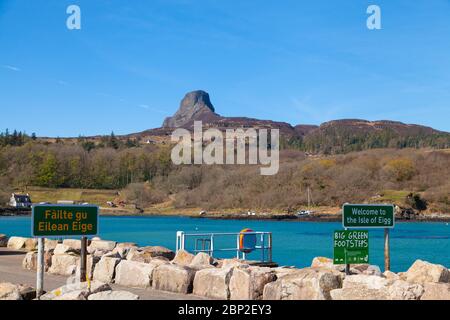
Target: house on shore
(20,201)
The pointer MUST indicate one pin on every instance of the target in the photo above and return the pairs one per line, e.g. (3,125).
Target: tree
(113,142)
(48,172)
(401,169)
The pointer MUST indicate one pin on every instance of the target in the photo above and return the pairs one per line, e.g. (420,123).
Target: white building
(20,201)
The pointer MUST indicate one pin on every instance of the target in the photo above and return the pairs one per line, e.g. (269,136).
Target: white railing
(205,242)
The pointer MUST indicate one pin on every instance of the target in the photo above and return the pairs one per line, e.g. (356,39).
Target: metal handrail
(265,243)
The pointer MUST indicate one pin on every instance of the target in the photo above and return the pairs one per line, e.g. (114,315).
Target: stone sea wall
(129,265)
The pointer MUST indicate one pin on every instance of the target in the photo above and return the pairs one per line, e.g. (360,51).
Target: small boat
(303,213)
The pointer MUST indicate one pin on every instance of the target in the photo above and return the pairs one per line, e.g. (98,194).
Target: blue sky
(295,61)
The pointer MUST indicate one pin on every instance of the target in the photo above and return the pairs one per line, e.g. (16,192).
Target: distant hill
(340,136)
(337,136)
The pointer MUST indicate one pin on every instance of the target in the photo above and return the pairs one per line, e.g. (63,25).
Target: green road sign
(368,216)
(351,246)
(64,220)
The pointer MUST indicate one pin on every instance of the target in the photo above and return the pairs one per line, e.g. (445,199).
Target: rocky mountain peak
(195,105)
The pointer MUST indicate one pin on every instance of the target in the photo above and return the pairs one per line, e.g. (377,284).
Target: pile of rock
(10,291)
(128,265)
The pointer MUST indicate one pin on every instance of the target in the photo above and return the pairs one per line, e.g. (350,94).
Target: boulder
(423,272)
(158,251)
(391,275)
(113,295)
(135,274)
(247,283)
(202,259)
(16,243)
(370,287)
(173,278)
(124,248)
(126,245)
(9,291)
(50,244)
(373,270)
(31,244)
(322,262)
(403,290)
(362,287)
(63,264)
(104,270)
(73,295)
(304,284)
(101,253)
(183,258)
(138,256)
(27,292)
(102,245)
(30,260)
(80,290)
(65,249)
(284,271)
(213,283)
(3,240)
(326,263)
(436,291)
(72,243)
(230,263)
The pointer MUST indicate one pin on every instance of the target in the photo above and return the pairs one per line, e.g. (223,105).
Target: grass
(393,196)
(92,196)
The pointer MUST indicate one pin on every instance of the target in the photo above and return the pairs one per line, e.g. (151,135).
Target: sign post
(83,260)
(40,269)
(371,216)
(387,255)
(63,221)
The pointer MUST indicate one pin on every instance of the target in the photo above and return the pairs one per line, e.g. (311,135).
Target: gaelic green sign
(368,216)
(351,246)
(64,220)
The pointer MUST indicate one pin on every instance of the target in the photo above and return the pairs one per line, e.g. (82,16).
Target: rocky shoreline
(227,216)
(129,265)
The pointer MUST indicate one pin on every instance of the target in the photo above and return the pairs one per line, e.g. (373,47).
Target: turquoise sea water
(294,243)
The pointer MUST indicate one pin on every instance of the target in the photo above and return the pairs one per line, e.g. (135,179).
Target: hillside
(333,137)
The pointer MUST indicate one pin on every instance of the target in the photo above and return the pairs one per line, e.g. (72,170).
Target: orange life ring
(247,242)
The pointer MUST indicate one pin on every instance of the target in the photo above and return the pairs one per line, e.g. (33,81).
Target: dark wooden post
(83,262)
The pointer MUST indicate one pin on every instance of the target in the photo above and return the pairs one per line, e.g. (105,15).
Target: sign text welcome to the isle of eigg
(64,220)
(368,216)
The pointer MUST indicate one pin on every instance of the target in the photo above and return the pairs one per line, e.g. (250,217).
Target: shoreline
(229,216)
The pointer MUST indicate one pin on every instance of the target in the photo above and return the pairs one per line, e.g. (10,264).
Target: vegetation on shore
(146,177)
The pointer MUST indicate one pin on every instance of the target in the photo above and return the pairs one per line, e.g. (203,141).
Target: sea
(295,243)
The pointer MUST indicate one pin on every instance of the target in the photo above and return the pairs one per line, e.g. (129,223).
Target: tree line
(148,175)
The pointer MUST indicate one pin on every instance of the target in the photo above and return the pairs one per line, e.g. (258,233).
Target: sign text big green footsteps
(368,216)
(351,246)
(64,220)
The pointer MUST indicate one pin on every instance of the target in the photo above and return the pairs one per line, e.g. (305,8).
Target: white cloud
(12,68)
(147,107)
